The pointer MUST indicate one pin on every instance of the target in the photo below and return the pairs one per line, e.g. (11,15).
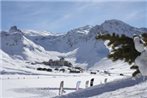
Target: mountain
(88,50)
(83,40)
(18,52)
(117,26)
(78,46)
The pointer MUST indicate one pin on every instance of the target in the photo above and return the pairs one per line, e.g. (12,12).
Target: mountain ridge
(78,45)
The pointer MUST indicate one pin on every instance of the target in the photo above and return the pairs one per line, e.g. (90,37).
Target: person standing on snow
(141,61)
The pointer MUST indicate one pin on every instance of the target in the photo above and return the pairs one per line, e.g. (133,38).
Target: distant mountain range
(79,46)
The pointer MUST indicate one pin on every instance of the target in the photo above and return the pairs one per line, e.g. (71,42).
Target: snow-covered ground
(123,88)
(136,91)
(47,86)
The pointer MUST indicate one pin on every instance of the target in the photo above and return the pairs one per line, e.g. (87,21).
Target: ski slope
(117,89)
(46,86)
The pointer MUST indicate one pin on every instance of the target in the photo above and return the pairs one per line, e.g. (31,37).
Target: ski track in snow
(38,92)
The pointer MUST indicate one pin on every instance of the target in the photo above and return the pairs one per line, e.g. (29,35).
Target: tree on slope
(122,48)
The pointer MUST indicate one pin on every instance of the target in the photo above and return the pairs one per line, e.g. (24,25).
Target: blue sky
(62,16)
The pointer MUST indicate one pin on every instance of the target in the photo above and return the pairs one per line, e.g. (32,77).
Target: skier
(91,82)
(141,61)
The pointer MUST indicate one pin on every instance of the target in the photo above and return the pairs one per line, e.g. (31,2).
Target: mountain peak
(14,29)
(117,26)
(115,22)
(81,30)
(86,27)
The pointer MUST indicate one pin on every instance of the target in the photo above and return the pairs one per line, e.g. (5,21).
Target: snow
(141,61)
(20,79)
(89,51)
(47,86)
(31,86)
(108,90)
(118,26)
(136,91)
(112,67)
(30,44)
(138,46)
(36,33)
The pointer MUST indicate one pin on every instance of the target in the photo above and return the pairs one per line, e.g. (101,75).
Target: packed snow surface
(117,89)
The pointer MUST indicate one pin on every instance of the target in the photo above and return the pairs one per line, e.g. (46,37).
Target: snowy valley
(24,51)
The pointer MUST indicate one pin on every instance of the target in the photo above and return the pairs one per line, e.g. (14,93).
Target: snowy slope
(36,33)
(47,85)
(114,68)
(136,91)
(18,52)
(18,46)
(116,89)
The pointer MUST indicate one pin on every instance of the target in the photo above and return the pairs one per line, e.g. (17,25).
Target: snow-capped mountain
(36,33)
(15,43)
(78,45)
(88,50)
(18,52)
(117,26)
